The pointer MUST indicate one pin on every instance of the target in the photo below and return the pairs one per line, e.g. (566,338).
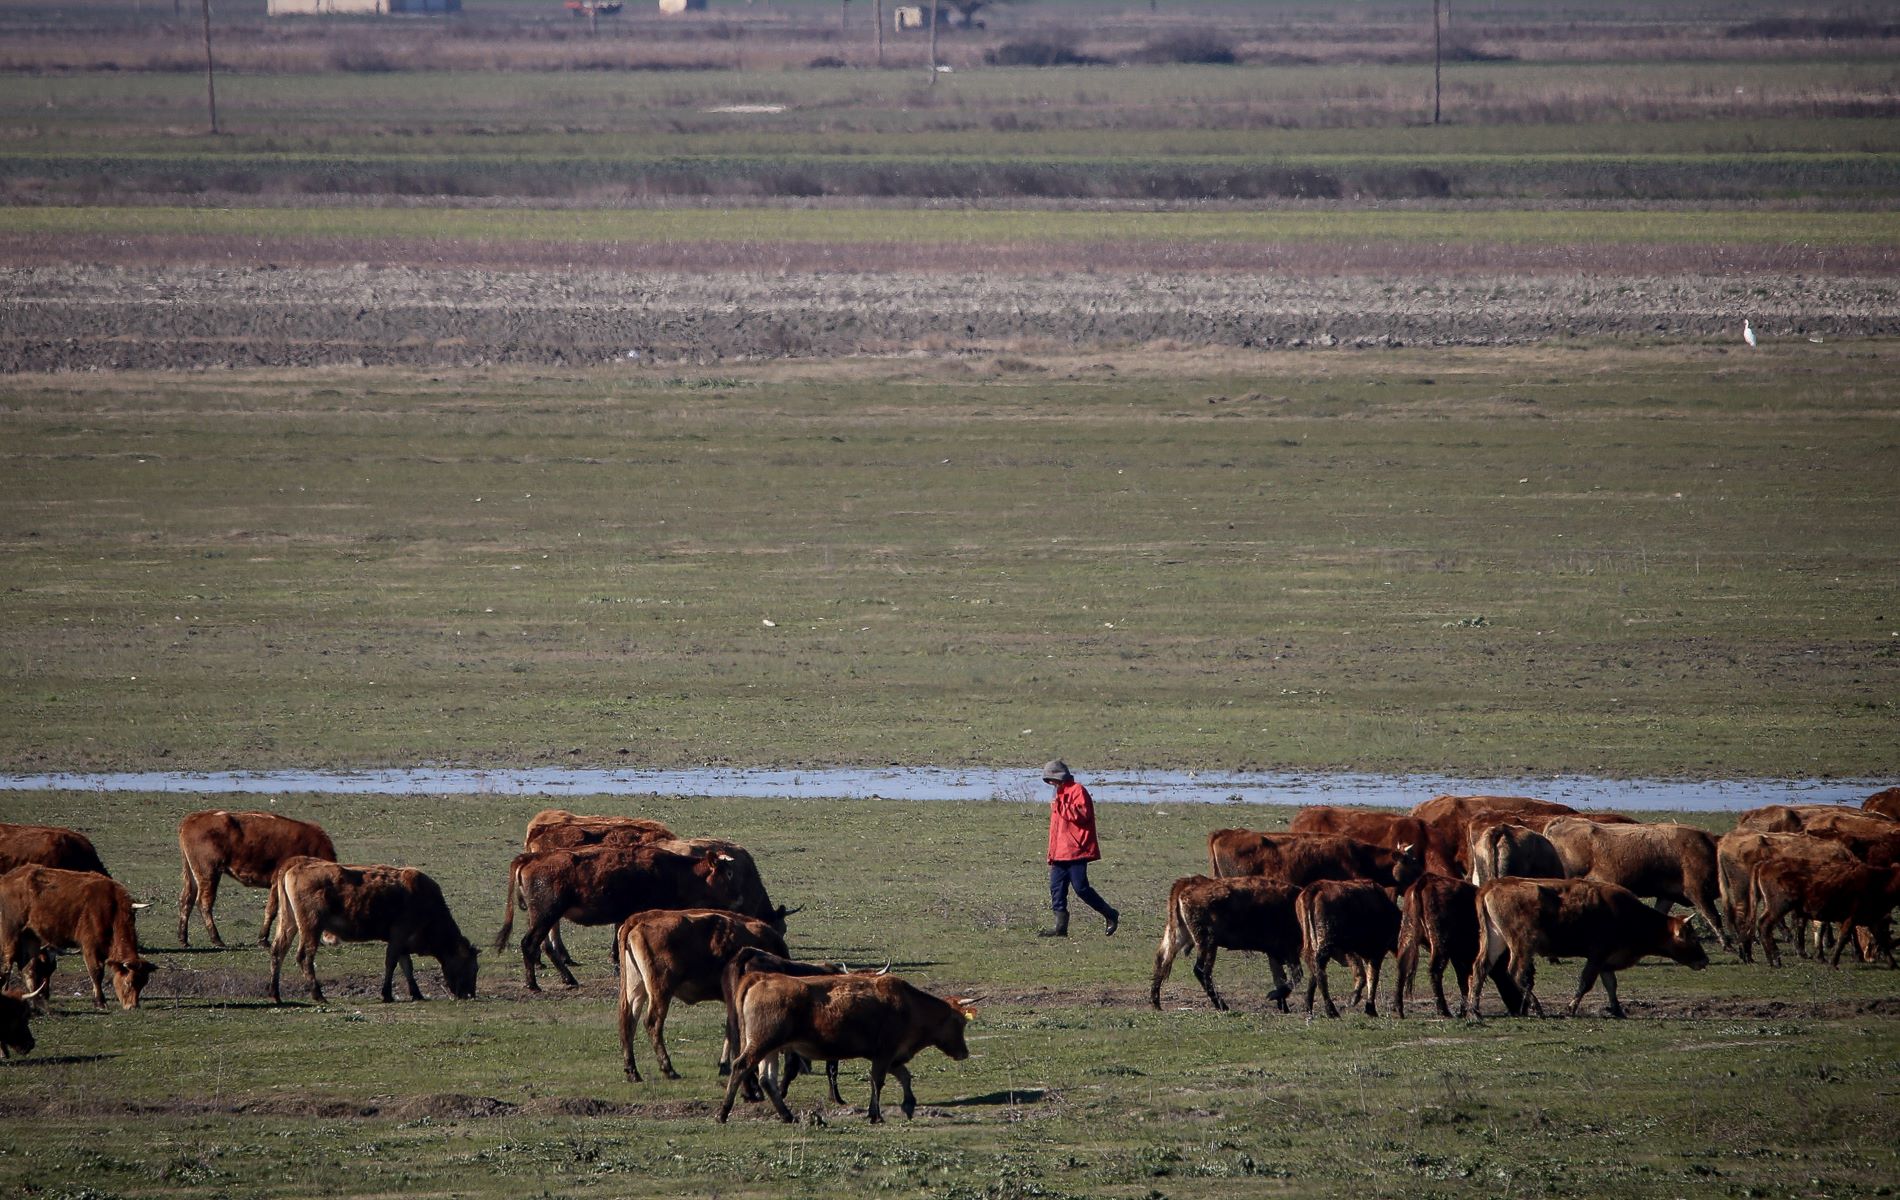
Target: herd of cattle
(1482,884)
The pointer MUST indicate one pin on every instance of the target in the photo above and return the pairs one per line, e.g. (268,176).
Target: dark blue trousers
(1066,875)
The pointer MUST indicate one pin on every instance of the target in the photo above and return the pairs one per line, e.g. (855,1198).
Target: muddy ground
(73,318)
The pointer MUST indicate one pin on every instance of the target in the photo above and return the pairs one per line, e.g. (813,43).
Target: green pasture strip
(1598,560)
(912,227)
(1074,1088)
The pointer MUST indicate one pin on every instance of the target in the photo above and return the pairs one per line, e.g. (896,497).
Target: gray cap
(1056,772)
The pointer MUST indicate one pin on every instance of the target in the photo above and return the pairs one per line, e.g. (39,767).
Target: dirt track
(67,318)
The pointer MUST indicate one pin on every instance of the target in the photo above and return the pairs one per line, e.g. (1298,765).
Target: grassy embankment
(1623,561)
(1736,1080)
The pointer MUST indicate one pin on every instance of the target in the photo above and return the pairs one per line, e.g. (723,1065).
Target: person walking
(1072,847)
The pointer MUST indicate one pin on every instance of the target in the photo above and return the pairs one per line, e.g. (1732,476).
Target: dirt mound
(451,1106)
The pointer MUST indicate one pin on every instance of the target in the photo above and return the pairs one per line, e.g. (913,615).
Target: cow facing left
(250,847)
(44,907)
(397,905)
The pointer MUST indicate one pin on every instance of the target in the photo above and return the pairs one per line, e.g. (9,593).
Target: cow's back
(1885,803)
(48,846)
(71,909)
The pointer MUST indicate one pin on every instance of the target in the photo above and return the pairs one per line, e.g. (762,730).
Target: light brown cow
(1505,848)
(1605,925)
(1856,895)
(884,1019)
(1884,803)
(1381,828)
(1675,864)
(1737,853)
(1303,858)
(1354,920)
(250,847)
(558,829)
(1244,913)
(47,846)
(65,910)
(1792,818)
(672,956)
(397,905)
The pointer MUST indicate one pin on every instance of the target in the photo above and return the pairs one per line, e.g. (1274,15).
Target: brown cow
(250,847)
(604,885)
(401,906)
(1506,848)
(1736,854)
(1396,830)
(1601,923)
(63,910)
(668,955)
(1353,920)
(1791,818)
(1245,913)
(1872,839)
(1851,893)
(1885,803)
(558,829)
(754,961)
(16,1009)
(47,846)
(1303,858)
(1450,817)
(1441,914)
(884,1019)
(1675,864)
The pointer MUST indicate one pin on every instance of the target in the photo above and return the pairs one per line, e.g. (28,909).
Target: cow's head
(777,919)
(1684,946)
(950,1036)
(1408,863)
(458,969)
(128,980)
(38,970)
(15,1037)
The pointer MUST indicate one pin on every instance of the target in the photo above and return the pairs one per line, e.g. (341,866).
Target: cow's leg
(1765,930)
(307,960)
(1372,985)
(1317,965)
(632,999)
(1281,988)
(390,955)
(409,977)
(1204,971)
(207,900)
(878,1070)
(910,1100)
(1845,936)
(280,944)
(531,942)
(187,900)
(773,1085)
(1436,969)
(1586,980)
(270,916)
(831,1080)
(96,970)
(1171,945)
(656,1029)
(1609,989)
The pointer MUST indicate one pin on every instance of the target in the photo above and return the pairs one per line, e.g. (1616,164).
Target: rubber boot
(1061,927)
(1114,918)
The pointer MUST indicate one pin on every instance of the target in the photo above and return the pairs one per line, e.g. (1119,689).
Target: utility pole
(877,22)
(211,82)
(1438,61)
(933,42)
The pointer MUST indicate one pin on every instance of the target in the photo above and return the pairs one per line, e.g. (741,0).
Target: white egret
(1748,332)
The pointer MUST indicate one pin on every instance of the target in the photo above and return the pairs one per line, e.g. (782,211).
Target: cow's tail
(508,905)
(1490,935)
(1411,923)
(635,971)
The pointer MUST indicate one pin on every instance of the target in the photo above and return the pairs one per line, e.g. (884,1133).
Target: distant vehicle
(606,8)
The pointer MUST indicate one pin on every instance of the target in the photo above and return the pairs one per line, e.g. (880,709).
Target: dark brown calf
(247,846)
(668,956)
(65,910)
(1855,895)
(882,1019)
(1440,914)
(1303,858)
(47,846)
(1247,913)
(1354,920)
(16,1009)
(1605,925)
(397,905)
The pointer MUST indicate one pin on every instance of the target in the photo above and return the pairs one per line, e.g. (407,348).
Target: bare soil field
(83,317)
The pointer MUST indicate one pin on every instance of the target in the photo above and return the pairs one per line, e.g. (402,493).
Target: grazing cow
(1352,920)
(47,908)
(558,829)
(1605,925)
(47,846)
(1380,828)
(883,1019)
(1441,914)
(1857,896)
(1673,863)
(401,906)
(667,955)
(1506,848)
(247,846)
(1884,803)
(1303,858)
(16,1009)
(604,885)
(1245,913)
(1736,854)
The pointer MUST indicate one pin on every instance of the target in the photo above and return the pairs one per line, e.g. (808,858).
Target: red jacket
(1072,825)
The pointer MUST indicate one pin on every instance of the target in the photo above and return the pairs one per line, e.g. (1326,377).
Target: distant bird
(1748,332)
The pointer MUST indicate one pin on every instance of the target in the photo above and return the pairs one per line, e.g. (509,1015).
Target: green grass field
(1732,1081)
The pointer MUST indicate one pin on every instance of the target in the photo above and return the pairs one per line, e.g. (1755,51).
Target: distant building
(680,6)
(306,8)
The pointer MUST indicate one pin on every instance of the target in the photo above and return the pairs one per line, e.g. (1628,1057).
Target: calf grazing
(1395,830)
(247,846)
(1736,854)
(604,885)
(883,1019)
(1884,803)
(397,905)
(1674,864)
(1353,920)
(47,846)
(1247,913)
(1440,913)
(669,956)
(1303,858)
(1857,896)
(558,829)
(1505,848)
(45,907)
(1605,925)
(16,1009)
